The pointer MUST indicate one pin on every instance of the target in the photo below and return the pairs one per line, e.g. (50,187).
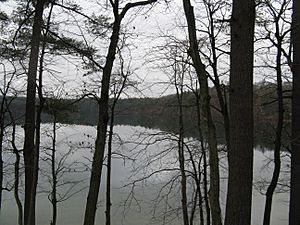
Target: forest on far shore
(162,113)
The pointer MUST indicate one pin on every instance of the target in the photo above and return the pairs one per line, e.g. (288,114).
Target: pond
(139,153)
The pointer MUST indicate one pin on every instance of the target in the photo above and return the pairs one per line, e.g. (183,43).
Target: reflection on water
(136,155)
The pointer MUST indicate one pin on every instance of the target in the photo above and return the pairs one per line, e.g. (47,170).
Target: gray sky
(147,31)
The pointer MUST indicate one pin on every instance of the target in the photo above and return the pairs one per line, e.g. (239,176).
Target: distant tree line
(160,113)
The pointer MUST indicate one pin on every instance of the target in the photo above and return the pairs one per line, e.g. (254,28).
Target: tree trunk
(203,151)
(109,144)
(277,147)
(198,192)
(205,105)
(179,91)
(1,144)
(294,215)
(16,186)
(91,204)
(220,94)
(197,172)
(97,164)
(30,154)
(240,154)
(16,171)
(108,177)
(53,171)
(184,201)
(194,206)
(2,127)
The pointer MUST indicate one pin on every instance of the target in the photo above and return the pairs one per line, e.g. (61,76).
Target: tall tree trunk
(16,184)
(184,201)
(97,164)
(30,154)
(40,108)
(16,170)
(193,210)
(220,93)
(294,215)
(179,91)
(109,164)
(198,192)
(205,103)
(203,151)
(110,140)
(1,147)
(2,127)
(53,171)
(240,154)
(277,142)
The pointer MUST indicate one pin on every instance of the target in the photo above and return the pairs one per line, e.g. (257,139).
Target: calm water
(139,152)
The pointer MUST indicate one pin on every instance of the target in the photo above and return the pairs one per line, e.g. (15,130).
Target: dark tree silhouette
(98,158)
(30,153)
(205,106)
(295,167)
(240,154)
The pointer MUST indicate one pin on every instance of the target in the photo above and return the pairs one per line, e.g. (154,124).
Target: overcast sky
(147,29)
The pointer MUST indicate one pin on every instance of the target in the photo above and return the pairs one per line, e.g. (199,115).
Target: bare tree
(175,63)
(217,49)
(8,78)
(179,72)
(278,39)
(31,157)
(59,161)
(97,164)
(204,155)
(119,83)
(17,163)
(205,106)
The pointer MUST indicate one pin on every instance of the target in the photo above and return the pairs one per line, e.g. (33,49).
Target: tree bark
(53,171)
(91,205)
(197,173)
(16,170)
(109,164)
(30,154)
(97,164)
(220,93)
(180,143)
(278,135)
(294,215)
(109,146)
(203,151)
(205,105)
(3,109)
(16,184)
(240,154)
(2,117)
